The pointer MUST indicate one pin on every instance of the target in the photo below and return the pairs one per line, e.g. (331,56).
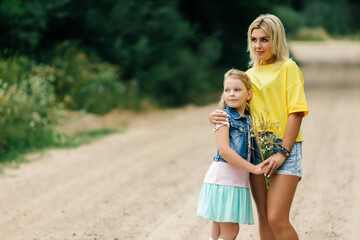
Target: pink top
(223,173)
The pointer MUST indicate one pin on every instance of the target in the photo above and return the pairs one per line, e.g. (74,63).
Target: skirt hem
(225,204)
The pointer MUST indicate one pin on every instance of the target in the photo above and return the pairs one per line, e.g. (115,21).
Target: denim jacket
(239,134)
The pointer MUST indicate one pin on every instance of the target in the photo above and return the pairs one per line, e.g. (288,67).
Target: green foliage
(158,51)
(22,23)
(228,22)
(52,139)
(27,105)
(181,79)
(312,34)
(55,139)
(83,81)
(334,16)
(291,19)
(97,55)
(154,54)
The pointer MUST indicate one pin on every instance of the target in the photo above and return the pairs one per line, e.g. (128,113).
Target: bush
(27,106)
(291,19)
(312,34)
(334,16)
(83,82)
(29,109)
(183,78)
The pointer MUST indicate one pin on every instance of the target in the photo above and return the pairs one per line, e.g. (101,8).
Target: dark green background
(169,53)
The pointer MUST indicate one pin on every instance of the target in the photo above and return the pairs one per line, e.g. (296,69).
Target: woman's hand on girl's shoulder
(217,117)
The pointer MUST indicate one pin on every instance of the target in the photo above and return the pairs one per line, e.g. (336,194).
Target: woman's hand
(274,162)
(217,117)
(260,168)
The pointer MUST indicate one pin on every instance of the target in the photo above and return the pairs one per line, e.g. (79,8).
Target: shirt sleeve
(296,100)
(224,123)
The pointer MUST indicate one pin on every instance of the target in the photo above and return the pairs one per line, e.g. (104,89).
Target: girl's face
(236,94)
(261,46)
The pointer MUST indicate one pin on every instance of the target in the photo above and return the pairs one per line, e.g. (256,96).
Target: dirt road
(144,183)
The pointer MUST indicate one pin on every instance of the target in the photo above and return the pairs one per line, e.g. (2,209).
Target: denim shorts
(292,164)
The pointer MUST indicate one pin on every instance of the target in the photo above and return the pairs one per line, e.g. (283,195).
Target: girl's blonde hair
(273,27)
(238,75)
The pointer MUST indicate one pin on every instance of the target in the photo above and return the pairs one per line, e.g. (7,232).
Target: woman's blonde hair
(238,75)
(273,27)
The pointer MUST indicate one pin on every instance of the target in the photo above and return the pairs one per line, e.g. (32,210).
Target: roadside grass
(50,139)
(319,34)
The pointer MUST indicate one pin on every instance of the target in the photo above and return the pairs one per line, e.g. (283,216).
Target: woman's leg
(259,193)
(280,197)
(228,231)
(215,230)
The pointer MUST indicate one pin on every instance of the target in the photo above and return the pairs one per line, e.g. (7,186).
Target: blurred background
(95,56)
(72,71)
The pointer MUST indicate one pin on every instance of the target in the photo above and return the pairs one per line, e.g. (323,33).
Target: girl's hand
(217,117)
(260,168)
(274,162)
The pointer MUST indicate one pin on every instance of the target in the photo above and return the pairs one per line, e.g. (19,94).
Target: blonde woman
(278,84)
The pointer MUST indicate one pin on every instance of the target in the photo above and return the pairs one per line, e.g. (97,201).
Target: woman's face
(261,46)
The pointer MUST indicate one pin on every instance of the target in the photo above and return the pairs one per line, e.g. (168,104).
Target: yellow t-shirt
(280,87)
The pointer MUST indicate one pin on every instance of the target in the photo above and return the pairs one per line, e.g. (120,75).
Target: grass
(320,34)
(51,139)
(84,137)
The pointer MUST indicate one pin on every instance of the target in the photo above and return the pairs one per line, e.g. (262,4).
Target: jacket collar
(234,114)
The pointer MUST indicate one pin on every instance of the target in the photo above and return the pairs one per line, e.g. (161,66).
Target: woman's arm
(234,159)
(291,132)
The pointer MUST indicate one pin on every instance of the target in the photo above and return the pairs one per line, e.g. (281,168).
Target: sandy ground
(339,52)
(144,183)
(331,63)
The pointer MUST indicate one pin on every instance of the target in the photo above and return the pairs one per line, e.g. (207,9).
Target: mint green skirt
(225,204)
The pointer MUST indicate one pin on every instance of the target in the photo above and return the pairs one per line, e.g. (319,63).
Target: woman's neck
(268,61)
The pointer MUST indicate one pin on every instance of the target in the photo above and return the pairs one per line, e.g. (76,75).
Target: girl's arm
(234,159)
(291,132)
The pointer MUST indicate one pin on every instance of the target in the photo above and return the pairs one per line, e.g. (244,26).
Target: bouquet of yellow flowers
(266,136)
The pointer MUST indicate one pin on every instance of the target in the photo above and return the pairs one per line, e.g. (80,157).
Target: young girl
(225,196)
(278,84)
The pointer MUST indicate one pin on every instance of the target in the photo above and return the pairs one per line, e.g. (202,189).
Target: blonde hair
(273,27)
(238,75)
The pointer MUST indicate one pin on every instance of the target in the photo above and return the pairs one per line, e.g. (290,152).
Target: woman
(277,84)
